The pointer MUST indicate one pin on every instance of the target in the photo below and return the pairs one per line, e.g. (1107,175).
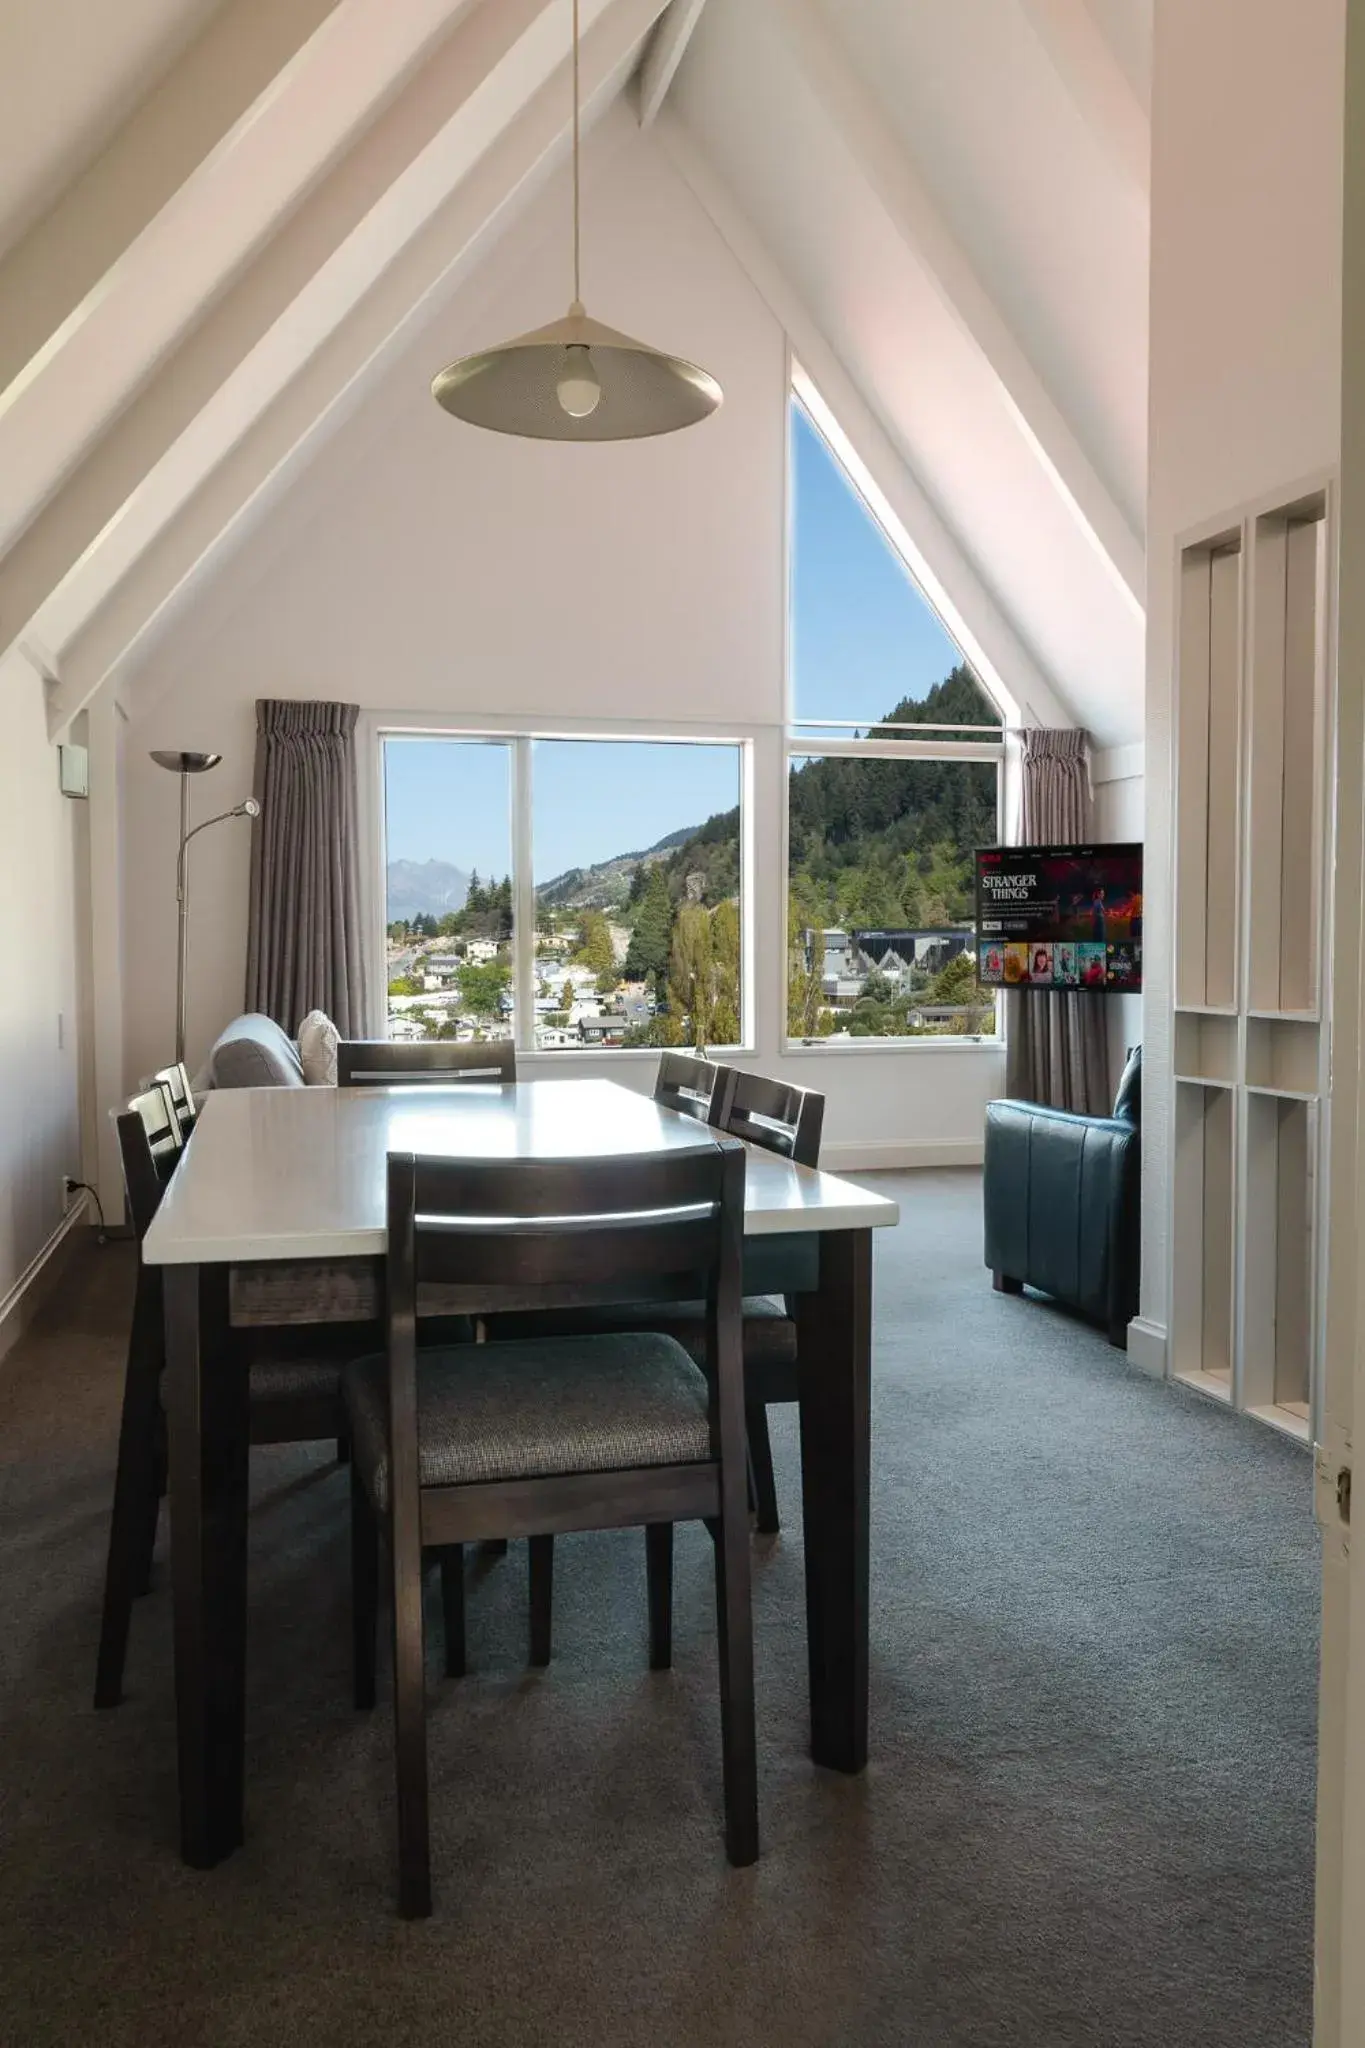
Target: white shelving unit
(1252,1071)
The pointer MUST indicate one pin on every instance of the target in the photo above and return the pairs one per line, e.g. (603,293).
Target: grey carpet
(1088,1819)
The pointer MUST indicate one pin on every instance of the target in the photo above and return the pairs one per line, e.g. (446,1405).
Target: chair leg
(132,1522)
(1003,1284)
(739,1742)
(452,1607)
(541,1567)
(659,1575)
(761,1460)
(494,1546)
(364,1591)
(410,1734)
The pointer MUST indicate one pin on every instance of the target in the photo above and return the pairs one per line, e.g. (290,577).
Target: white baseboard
(30,1290)
(1147,1346)
(870,1154)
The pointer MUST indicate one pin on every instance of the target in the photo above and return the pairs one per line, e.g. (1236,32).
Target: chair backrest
(176,1081)
(694,1087)
(776,1115)
(150,1144)
(391,1063)
(494,1231)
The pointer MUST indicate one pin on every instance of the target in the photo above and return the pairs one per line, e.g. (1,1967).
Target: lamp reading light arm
(249,809)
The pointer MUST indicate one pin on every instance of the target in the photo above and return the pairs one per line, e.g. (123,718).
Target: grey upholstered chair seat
(769,1332)
(489,1412)
(294,1379)
(275,1293)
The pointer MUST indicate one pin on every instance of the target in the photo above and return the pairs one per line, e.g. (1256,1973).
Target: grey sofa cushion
(520,1411)
(253,1052)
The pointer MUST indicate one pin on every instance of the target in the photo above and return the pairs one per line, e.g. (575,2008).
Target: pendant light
(576,380)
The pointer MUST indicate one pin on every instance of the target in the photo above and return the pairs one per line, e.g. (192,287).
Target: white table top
(299,1173)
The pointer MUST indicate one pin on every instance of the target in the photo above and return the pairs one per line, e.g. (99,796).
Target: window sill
(822,1046)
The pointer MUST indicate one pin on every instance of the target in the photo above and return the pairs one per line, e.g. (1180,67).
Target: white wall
(1120,808)
(1245,366)
(40,1136)
(420,567)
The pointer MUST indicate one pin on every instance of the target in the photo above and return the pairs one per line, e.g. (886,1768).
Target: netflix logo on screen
(1060,917)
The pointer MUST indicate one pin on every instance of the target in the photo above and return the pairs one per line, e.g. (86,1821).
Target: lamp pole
(185,764)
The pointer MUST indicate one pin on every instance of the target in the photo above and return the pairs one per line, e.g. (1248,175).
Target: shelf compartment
(1208,715)
(1204,1168)
(1286,710)
(1279,1259)
(1282,1055)
(1205,1047)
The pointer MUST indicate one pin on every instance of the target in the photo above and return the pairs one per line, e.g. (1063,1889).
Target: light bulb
(578,390)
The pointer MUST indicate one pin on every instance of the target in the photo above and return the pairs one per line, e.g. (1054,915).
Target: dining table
(298,1175)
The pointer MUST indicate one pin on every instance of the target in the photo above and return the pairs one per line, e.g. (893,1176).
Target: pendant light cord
(577,284)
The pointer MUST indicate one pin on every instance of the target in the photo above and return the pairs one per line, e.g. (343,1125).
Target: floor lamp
(184,765)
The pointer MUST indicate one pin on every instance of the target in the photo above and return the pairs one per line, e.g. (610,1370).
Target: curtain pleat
(304,949)
(1057,1047)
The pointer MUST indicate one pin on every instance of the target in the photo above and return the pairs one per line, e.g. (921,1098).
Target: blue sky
(862,637)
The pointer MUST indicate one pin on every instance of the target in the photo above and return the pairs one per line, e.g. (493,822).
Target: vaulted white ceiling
(218,222)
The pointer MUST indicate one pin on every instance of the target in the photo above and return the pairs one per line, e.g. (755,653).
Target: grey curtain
(1057,1049)
(304,947)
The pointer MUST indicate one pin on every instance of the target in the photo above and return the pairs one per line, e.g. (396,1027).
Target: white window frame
(801,748)
(822,739)
(520,735)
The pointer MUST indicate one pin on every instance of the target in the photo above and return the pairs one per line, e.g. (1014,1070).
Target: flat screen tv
(1060,917)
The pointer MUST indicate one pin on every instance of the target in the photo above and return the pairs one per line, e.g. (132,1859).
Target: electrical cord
(83,1187)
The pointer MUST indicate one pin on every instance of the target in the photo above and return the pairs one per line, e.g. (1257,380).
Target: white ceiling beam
(258,334)
(210,227)
(74,249)
(941,565)
(881,160)
(1097,84)
(667,48)
(104,641)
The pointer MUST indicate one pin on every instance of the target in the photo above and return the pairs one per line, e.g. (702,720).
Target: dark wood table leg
(834,1343)
(207,1411)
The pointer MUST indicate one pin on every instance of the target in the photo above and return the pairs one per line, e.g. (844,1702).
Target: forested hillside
(891,842)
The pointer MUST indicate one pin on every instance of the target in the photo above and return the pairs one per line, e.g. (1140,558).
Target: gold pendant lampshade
(576,380)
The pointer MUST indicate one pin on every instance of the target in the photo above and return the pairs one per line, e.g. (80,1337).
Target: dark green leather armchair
(1062,1203)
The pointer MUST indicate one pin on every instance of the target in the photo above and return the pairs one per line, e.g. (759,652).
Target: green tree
(651,941)
(595,948)
(804,992)
(690,963)
(725,958)
(482,987)
(957,982)
(405,985)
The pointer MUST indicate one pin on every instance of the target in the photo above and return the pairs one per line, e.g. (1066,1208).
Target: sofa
(1062,1203)
(252,1052)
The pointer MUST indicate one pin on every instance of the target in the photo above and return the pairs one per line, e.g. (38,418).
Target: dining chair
(438,1062)
(778,1117)
(692,1085)
(295,1396)
(176,1081)
(551,1435)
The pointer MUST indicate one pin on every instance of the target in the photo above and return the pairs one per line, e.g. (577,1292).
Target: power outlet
(70,1193)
